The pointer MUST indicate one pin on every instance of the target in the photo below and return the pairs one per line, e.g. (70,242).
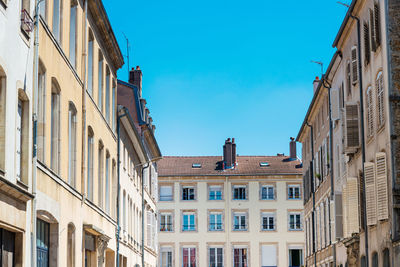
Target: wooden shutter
(381,186)
(353,206)
(352,134)
(379,100)
(335,104)
(370,194)
(354,65)
(377,24)
(370,113)
(367,50)
(372,30)
(345,211)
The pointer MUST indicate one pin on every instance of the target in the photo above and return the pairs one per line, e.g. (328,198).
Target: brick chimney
(229,154)
(316,83)
(292,147)
(135,78)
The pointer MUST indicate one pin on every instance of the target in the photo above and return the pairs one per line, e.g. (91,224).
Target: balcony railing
(26,21)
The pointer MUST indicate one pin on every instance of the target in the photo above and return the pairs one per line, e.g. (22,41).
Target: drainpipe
(362,134)
(84,135)
(118,182)
(313,194)
(142,248)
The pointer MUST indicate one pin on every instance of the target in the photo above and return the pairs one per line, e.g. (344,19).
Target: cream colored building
(233,210)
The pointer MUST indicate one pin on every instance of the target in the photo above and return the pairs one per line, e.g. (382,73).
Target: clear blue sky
(218,69)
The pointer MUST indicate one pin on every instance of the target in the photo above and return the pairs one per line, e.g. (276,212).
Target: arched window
(107,183)
(72,32)
(90,164)
(375,261)
(100,83)
(386,258)
(41,141)
(57,19)
(370,112)
(380,107)
(107,94)
(90,63)
(100,174)
(55,126)
(3,86)
(71,246)
(71,144)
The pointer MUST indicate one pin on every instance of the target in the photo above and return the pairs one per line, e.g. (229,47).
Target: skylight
(196,165)
(264,164)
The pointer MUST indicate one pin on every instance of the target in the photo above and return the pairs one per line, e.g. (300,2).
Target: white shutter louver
(370,195)
(381,186)
(353,206)
(268,257)
(372,30)
(377,24)
(354,65)
(335,104)
(370,113)
(379,100)
(352,129)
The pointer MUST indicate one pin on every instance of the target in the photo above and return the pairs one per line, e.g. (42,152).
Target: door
(295,257)
(42,243)
(7,248)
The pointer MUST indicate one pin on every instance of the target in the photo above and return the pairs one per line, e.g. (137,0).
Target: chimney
(292,147)
(228,154)
(233,152)
(135,78)
(316,83)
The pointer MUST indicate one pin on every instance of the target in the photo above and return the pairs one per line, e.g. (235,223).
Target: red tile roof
(212,165)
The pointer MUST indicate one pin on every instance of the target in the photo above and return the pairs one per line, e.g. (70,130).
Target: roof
(344,22)
(212,166)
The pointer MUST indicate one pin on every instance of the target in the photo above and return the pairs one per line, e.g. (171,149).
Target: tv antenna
(127,50)
(343,4)
(321,64)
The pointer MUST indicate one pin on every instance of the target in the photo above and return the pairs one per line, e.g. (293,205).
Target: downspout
(34,152)
(84,135)
(362,135)
(313,194)
(142,248)
(118,183)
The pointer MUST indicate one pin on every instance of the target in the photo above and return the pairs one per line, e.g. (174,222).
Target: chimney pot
(316,83)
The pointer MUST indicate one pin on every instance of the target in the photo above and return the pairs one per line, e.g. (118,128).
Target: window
(72,32)
(90,63)
(370,113)
(42,243)
(71,144)
(100,83)
(107,94)
(268,256)
(166,193)
(196,165)
(386,258)
(377,24)
(90,165)
(295,221)
(239,192)
(215,223)
(240,257)
(2,118)
(18,141)
(188,193)
(57,21)
(267,192)
(41,141)
(166,222)
(375,260)
(107,182)
(189,221)
(71,246)
(239,221)
(166,257)
(42,9)
(380,100)
(348,79)
(55,127)
(215,192)
(294,192)
(189,257)
(354,65)
(216,257)
(295,257)
(267,221)
(100,173)
(367,47)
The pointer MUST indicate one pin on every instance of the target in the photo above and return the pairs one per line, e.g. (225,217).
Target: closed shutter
(335,104)
(377,24)
(268,258)
(367,49)
(352,134)
(345,211)
(353,206)
(380,100)
(381,186)
(354,65)
(370,113)
(370,194)
(372,30)
(148,235)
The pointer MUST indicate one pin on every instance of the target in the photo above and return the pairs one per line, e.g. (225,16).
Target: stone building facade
(230,211)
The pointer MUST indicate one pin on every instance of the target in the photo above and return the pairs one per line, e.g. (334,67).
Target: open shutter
(377,24)
(381,186)
(352,134)
(148,243)
(372,30)
(354,65)
(335,104)
(353,206)
(367,49)
(370,194)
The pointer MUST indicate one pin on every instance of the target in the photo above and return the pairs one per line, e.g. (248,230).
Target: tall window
(107,94)
(240,257)
(386,258)
(90,63)
(267,192)
(71,246)
(107,182)
(71,144)
(100,83)
(189,257)
(90,165)
(57,21)
(113,108)
(267,221)
(166,193)
(72,32)
(188,221)
(41,112)
(188,193)
(370,113)
(18,141)
(166,257)
(55,127)
(239,192)
(268,255)
(100,174)
(124,211)
(215,192)
(43,9)
(165,222)
(215,223)
(2,117)
(295,221)
(216,257)
(239,221)
(43,243)
(294,192)
(380,107)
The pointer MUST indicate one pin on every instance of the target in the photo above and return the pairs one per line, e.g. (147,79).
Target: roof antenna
(343,4)
(321,64)
(127,50)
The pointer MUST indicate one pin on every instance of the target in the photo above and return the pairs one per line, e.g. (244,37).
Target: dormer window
(264,164)
(196,165)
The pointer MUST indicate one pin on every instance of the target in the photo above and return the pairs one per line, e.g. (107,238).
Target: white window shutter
(370,194)
(353,205)
(345,210)
(352,129)
(370,113)
(354,65)
(335,104)
(268,257)
(372,30)
(381,186)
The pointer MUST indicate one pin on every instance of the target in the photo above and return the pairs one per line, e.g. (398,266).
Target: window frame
(215,212)
(273,186)
(188,213)
(216,248)
(188,187)
(160,195)
(209,190)
(294,186)
(239,186)
(295,213)
(165,213)
(240,214)
(268,214)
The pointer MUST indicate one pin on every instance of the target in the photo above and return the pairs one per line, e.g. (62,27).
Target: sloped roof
(212,166)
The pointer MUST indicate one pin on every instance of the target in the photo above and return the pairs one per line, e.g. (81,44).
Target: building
(76,135)
(16,102)
(231,211)
(139,153)
(362,87)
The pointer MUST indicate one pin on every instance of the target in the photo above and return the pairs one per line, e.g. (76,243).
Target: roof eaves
(344,23)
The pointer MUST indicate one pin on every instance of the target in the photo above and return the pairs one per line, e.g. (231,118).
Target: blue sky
(218,69)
